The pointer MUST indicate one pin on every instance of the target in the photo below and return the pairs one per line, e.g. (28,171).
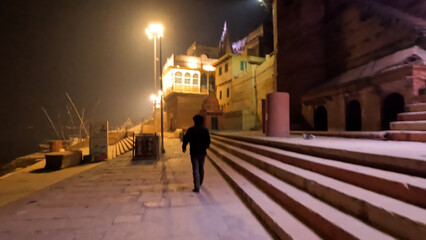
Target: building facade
(187,81)
(346,63)
(244,75)
(228,68)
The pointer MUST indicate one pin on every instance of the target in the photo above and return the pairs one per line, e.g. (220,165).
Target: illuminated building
(187,81)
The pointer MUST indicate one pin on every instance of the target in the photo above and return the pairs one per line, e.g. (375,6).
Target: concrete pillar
(278,114)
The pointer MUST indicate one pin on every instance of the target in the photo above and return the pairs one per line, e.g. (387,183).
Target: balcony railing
(179,88)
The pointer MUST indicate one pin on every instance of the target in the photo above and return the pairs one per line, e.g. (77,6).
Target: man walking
(199,139)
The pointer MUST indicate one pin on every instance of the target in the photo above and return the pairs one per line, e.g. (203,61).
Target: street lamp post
(161,96)
(155,31)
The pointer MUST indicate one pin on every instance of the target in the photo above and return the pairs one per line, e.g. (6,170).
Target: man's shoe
(196,190)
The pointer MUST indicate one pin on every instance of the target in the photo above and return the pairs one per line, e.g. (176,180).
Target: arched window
(187,80)
(195,79)
(203,82)
(178,78)
(212,83)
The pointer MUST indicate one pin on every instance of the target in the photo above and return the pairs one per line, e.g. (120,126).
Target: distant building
(259,42)
(238,79)
(228,68)
(187,81)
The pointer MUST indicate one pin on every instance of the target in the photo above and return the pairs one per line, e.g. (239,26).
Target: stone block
(58,160)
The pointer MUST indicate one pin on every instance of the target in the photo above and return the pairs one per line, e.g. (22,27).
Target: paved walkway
(120,199)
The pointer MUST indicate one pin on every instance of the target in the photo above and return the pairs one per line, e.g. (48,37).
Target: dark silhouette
(199,139)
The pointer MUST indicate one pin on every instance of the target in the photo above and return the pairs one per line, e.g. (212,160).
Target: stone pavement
(120,199)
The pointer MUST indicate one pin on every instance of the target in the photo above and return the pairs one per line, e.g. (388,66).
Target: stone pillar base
(278,114)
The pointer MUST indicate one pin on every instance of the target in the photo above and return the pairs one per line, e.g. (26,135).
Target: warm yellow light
(153,97)
(154,30)
(148,33)
(160,93)
(192,65)
(208,68)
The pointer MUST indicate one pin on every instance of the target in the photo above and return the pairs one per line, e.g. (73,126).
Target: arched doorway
(321,119)
(353,116)
(392,105)
(214,123)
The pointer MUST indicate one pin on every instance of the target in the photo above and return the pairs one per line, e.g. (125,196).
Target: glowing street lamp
(153,98)
(155,31)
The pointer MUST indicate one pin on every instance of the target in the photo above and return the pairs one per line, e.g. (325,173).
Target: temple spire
(225,42)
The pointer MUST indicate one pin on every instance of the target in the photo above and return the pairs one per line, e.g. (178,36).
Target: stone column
(278,114)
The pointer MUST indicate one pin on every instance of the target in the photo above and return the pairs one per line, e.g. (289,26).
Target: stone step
(412,136)
(412,116)
(415,107)
(276,219)
(117,149)
(121,148)
(409,125)
(125,144)
(404,187)
(399,164)
(330,222)
(396,217)
(129,140)
(125,147)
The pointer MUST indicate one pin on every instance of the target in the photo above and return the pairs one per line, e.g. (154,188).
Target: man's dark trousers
(198,169)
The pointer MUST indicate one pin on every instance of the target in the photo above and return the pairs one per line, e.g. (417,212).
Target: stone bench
(59,160)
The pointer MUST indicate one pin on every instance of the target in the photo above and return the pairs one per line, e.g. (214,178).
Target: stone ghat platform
(327,188)
(395,135)
(125,199)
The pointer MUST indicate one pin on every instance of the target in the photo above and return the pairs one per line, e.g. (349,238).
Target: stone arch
(321,119)
(353,116)
(392,105)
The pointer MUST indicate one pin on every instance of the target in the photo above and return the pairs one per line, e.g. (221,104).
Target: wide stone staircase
(411,125)
(122,146)
(301,192)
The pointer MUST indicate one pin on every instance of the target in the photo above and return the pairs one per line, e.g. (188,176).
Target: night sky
(97,51)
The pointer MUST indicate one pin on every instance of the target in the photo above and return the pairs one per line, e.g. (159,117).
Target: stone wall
(299,49)
(316,40)
(356,36)
(370,93)
(265,81)
(181,108)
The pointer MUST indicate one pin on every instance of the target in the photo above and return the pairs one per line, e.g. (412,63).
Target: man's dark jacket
(199,139)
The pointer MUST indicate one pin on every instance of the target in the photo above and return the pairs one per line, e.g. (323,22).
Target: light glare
(154,30)
(208,68)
